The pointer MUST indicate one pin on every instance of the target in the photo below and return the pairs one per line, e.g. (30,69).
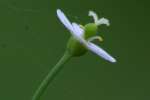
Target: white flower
(78,33)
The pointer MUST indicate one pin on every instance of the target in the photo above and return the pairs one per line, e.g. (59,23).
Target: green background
(32,40)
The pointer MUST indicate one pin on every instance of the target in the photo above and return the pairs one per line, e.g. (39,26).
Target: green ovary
(90,30)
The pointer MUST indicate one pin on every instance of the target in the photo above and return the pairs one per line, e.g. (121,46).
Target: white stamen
(95,38)
(94,15)
(103,21)
(98,21)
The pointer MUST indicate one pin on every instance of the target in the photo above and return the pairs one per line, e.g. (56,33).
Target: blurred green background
(32,40)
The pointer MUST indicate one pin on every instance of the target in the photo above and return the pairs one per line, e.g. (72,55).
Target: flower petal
(74,28)
(62,17)
(78,33)
(100,52)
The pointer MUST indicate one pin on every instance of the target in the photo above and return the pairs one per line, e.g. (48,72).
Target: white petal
(100,52)
(64,20)
(78,33)
(103,21)
(74,28)
(94,15)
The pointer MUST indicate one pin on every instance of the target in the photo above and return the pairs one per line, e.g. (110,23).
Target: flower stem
(51,75)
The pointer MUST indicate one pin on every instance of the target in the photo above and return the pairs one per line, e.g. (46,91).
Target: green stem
(51,75)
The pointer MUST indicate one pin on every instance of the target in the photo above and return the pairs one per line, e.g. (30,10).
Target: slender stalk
(51,75)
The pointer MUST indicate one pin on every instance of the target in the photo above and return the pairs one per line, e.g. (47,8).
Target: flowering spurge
(82,36)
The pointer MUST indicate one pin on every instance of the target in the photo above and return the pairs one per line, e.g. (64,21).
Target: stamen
(98,21)
(103,21)
(94,15)
(95,38)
